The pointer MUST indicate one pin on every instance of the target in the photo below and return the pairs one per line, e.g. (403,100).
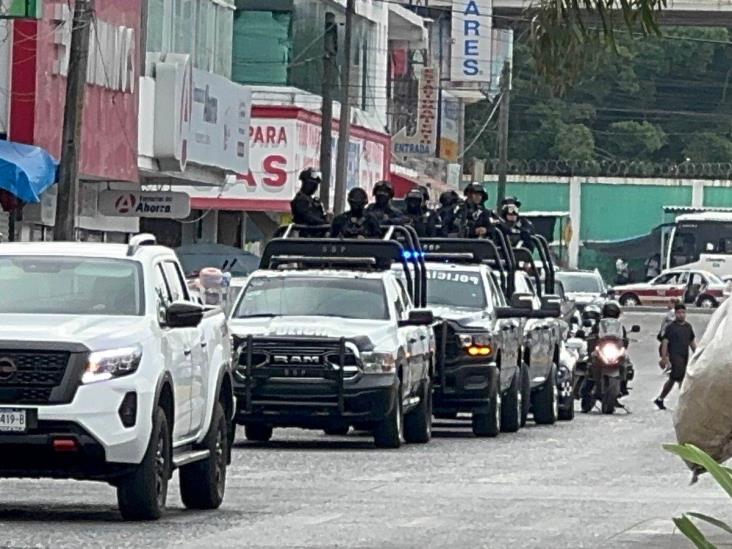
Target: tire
(610,396)
(203,483)
(340,431)
(418,422)
(525,394)
(566,409)
(707,302)
(141,495)
(545,401)
(258,432)
(488,423)
(512,405)
(390,431)
(629,300)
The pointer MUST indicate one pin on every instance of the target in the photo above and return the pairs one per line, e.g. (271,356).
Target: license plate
(12,421)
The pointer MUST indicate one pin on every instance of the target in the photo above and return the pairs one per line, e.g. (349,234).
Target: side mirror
(552,306)
(635,329)
(418,317)
(183,314)
(524,302)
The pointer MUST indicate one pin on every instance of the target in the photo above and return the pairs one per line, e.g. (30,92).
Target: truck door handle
(187,352)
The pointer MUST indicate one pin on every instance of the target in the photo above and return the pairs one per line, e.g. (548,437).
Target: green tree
(574,143)
(634,140)
(708,147)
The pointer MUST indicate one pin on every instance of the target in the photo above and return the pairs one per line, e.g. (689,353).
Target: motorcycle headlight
(611,353)
(104,365)
(378,363)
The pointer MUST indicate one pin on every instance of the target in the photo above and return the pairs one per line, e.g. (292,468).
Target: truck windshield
(588,283)
(359,298)
(456,289)
(70,286)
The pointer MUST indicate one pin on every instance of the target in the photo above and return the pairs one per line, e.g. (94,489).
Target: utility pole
(330,49)
(68,185)
(344,127)
(503,132)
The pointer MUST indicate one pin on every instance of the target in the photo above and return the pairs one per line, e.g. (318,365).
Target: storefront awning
(26,171)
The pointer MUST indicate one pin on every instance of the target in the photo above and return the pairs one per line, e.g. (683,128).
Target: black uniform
(351,224)
(518,234)
(469,217)
(386,214)
(307,210)
(426,223)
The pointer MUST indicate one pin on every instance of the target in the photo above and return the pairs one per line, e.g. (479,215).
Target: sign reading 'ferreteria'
(471,40)
(166,205)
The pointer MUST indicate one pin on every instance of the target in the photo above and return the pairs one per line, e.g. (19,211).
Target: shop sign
(423,141)
(127,203)
(201,117)
(471,40)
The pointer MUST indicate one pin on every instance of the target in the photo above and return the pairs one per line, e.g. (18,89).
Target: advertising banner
(165,205)
(424,141)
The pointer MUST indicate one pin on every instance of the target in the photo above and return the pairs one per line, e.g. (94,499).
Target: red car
(697,287)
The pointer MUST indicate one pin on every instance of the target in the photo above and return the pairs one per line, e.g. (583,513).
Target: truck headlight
(378,363)
(476,345)
(104,365)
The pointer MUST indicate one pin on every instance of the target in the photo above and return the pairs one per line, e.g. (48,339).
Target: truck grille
(292,358)
(452,348)
(29,377)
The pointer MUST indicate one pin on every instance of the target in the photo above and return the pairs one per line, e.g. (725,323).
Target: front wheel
(546,400)
(707,302)
(141,495)
(512,405)
(418,422)
(202,484)
(610,395)
(487,422)
(629,300)
(390,431)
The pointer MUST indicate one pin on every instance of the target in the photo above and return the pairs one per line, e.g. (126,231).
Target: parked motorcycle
(609,368)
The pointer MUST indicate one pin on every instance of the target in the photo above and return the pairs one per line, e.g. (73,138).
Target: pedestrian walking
(678,338)
(668,319)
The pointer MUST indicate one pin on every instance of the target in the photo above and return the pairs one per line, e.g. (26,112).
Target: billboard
(471,40)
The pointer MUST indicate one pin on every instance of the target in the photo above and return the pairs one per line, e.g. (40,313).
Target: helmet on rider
(357,199)
(510,207)
(611,309)
(475,193)
(592,312)
(449,198)
(383,192)
(310,179)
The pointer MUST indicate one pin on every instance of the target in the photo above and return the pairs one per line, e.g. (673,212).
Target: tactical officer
(473,218)
(382,208)
(356,222)
(449,203)
(424,221)
(306,207)
(518,231)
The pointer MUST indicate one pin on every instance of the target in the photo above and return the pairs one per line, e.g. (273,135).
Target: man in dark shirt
(382,208)
(356,222)
(678,338)
(306,207)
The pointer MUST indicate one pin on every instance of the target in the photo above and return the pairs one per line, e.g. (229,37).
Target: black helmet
(511,200)
(384,187)
(592,312)
(611,309)
(449,198)
(357,198)
(310,174)
(476,188)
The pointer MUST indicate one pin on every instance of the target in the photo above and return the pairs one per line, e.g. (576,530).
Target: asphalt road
(596,482)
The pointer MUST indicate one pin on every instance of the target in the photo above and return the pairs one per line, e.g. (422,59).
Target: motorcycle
(609,368)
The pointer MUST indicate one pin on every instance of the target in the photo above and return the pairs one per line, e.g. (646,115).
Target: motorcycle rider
(356,222)
(449,201)
(517,230)
(473,218)
(612,310)
(306,207)
(423,220)
(382,208)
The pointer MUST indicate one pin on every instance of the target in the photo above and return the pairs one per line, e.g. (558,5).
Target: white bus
(701,241)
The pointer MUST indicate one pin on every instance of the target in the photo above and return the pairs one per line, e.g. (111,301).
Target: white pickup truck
(109,371)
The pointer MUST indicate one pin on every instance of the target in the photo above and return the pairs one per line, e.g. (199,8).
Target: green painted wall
(614,212)
(720,197)
(534,196)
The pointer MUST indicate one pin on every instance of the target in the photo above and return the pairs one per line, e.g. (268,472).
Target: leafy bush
(723,475)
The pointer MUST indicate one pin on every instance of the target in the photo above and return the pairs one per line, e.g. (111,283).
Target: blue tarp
(26,171)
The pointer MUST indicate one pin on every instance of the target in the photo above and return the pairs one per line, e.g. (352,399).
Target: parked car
(110,371)
(697,287)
